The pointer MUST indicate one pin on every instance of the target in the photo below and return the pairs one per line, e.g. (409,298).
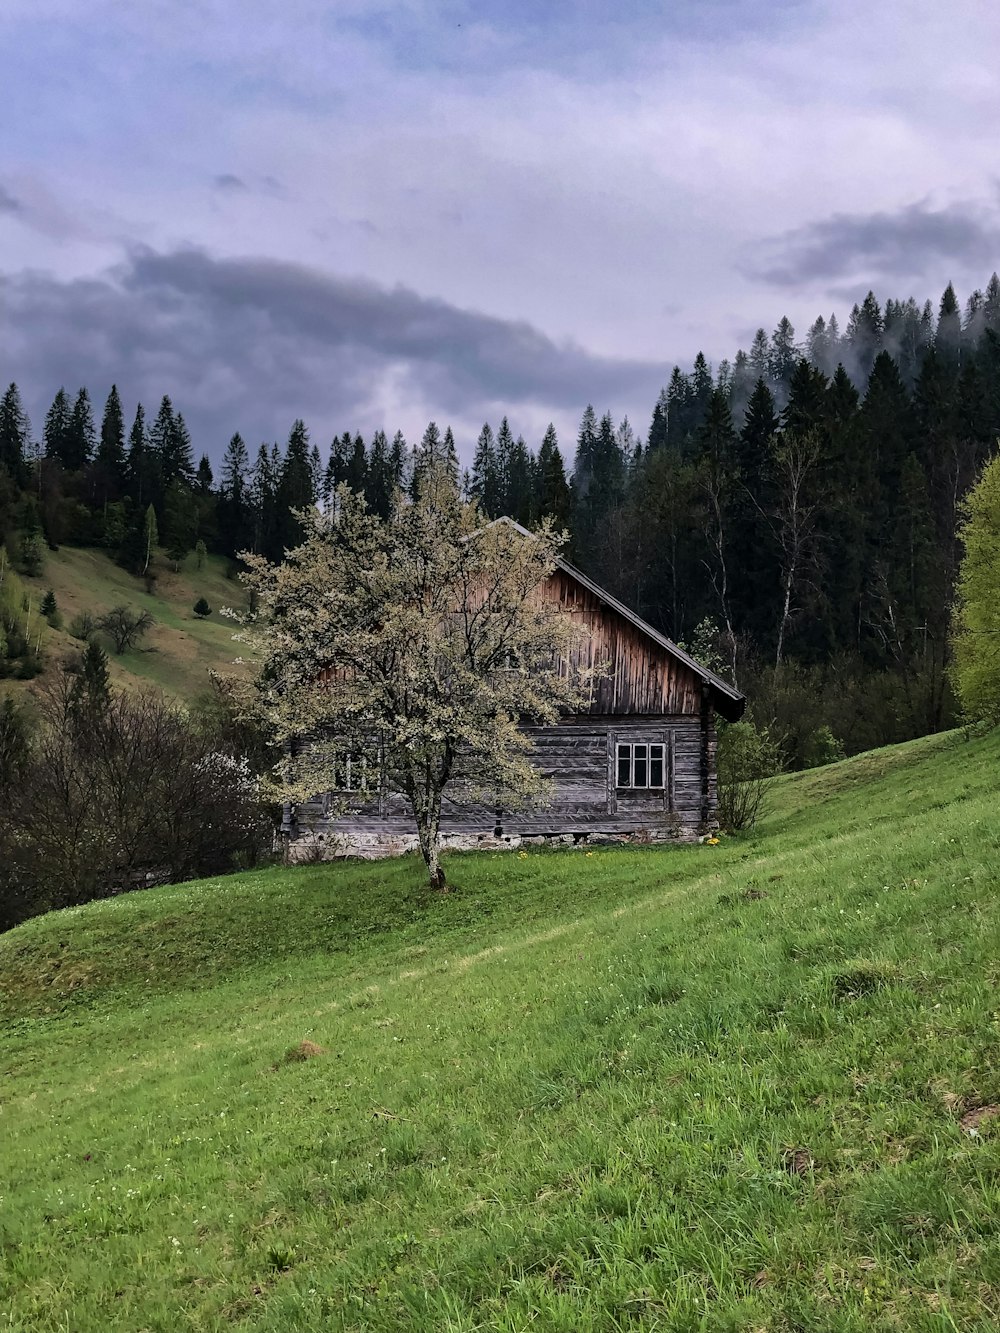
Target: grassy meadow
(745,1087)
(177,654)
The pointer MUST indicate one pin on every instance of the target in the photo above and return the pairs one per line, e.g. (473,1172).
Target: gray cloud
(250,344)
(230,183)
(9,203)
(900,244)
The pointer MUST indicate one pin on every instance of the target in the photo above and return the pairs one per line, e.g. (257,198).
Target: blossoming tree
(423,635)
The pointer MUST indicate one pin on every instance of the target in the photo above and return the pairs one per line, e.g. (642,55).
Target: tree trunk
(426,800)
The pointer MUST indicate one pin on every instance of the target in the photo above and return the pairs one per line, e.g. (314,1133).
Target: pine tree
(760,356)
(316,468)
(81,438)
(701,388)
(380,484)
(263,494)
(484,482)
(553,490)
(111,449)
(398,456)
(657,437)
(357,467)
(991,305)
(783,353)
(948,339)
(203,478)
(91,693)
(680,409)
(15,435)
(178,459)
(57,429)
(295,487)
(137,463)
(519,495)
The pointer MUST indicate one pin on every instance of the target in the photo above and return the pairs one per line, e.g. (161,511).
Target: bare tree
(125,627)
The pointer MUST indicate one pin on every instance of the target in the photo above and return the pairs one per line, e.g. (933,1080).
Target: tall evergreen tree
(111,449)
(553,489)
(57,429)
(137,463)
(235,529)
(15,435)
(81,437)
(295,487)
(484,482)
(380,484)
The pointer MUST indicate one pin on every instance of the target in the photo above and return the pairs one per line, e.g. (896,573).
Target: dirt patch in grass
(979,1115)
(296,1055)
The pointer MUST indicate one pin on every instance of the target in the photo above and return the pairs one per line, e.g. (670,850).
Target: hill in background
(180,650)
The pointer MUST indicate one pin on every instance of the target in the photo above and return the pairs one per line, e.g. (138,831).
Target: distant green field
(736,1088)
(178,653)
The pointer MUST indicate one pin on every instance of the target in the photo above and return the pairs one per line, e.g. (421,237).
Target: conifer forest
(790,515)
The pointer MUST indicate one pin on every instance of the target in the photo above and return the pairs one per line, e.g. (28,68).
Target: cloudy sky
(372,214)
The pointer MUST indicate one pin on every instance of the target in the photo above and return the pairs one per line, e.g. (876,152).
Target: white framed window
(640,764)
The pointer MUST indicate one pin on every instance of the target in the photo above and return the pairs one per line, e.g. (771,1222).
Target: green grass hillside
(749,1087)
(178,653)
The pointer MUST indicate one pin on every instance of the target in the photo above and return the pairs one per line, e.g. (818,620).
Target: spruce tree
(57,429)
(948,338)
(137,463)
(295,487)
(111,449)
(357,467)
(380,484)
(203,478)
(81,438)
(484,483)
(553,490)
(15,435)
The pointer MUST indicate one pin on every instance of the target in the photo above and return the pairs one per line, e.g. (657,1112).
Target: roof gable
(727,700)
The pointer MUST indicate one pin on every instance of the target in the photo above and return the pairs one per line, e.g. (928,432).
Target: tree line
(792,515)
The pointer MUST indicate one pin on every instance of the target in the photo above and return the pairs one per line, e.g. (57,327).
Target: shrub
(84,626)
(747,762)
(119,790)
(821,747)
(32,554)
(202,608)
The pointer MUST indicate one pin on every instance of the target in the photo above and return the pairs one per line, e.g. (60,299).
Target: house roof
(725,698)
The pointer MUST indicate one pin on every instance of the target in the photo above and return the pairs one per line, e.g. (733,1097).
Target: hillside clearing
(181,649)
(743,1087)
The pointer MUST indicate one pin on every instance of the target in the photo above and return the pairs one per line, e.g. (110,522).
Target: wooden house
(636,764)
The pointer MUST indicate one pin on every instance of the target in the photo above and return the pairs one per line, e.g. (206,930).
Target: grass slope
(705,1088)
(177,654)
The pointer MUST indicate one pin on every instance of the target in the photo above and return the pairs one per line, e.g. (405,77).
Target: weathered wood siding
(577,758)
(642,678)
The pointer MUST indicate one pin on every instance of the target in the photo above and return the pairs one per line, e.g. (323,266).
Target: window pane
(656,767)
(624,765)
(640,767)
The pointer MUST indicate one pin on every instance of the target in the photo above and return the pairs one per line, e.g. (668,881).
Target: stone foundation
(332,846)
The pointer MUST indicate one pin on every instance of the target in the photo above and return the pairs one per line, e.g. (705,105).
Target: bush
(821,747)
(746,764)
(202,608)
(84,626)
(119,791)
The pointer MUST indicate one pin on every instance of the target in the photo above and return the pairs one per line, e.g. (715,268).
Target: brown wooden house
(637,764)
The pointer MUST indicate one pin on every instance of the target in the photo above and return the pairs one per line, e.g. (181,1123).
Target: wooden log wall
(578,760)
